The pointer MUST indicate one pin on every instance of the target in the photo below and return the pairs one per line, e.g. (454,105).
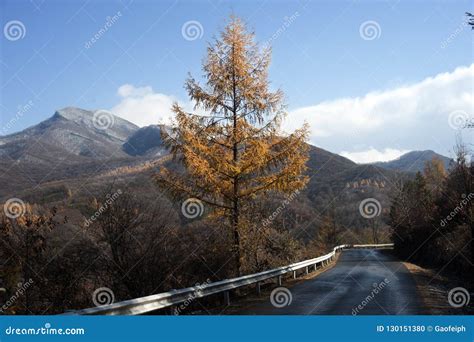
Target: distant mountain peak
(71,133)
(145,141)
(74,113)
(88,117)
(418,153)
(413,161)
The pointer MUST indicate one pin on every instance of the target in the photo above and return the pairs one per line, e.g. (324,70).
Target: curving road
(364,281)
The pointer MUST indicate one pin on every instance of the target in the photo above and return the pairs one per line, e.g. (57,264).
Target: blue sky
(366,96)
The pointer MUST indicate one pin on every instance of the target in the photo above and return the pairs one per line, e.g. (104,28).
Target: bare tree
(135,232)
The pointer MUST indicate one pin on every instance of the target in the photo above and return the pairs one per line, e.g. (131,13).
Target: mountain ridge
(413,161)
(69,145)
(81,116)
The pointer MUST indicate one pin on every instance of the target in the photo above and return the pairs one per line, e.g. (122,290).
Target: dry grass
(433,289)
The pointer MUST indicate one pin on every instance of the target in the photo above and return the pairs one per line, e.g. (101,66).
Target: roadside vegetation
(433,217)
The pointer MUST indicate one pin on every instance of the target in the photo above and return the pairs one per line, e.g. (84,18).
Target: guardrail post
(226,298)
(307,270)
(259,290)
(279,281)
(294,274)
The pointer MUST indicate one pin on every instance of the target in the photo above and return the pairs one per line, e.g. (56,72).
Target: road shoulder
(245,299)
(433,289)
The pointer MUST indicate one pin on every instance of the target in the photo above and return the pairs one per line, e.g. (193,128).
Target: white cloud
(128,90)
(373,155)
(378,126)
(142,106)
(405,118)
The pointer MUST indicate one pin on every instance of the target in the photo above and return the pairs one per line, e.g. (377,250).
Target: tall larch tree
(234,150)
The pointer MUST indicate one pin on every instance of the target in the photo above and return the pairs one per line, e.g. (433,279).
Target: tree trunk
(375,232)
(235,200)
(235,228)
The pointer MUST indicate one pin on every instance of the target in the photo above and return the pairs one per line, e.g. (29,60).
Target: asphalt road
(363,282)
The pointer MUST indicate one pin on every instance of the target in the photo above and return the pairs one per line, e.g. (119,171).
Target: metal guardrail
(155,302)
(381,245)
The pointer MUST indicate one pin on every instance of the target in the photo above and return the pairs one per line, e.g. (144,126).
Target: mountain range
(72,146)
